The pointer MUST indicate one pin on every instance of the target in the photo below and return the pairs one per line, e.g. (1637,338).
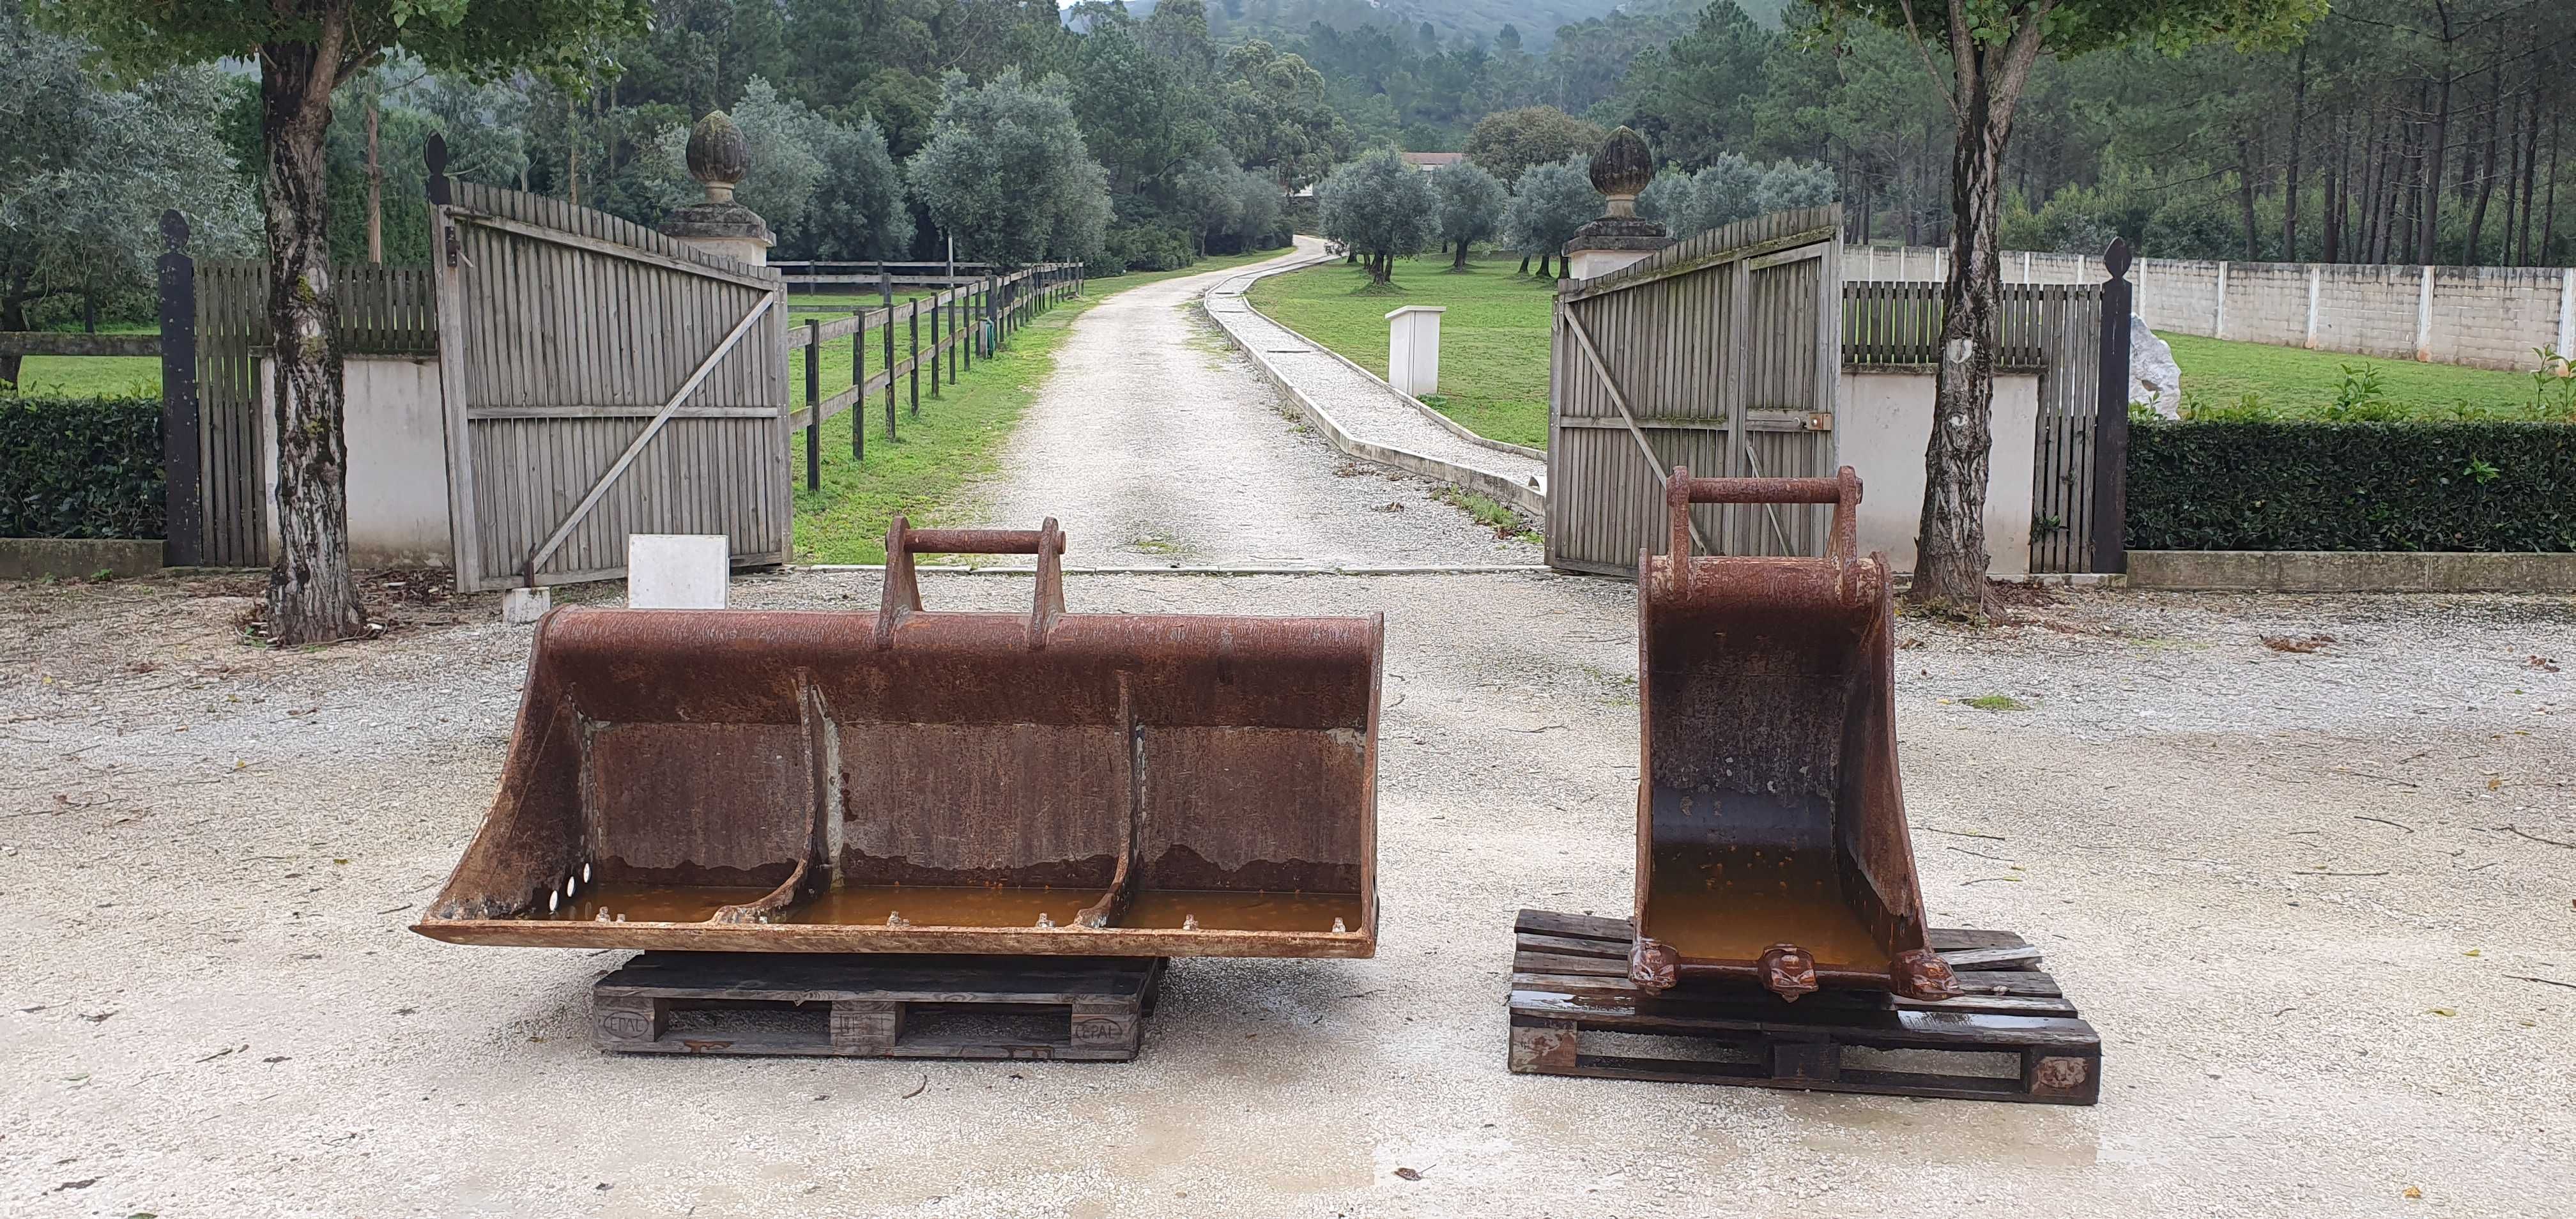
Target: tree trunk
(375,192)
(13,316)
(1950,557)
(1461,263)
(2436,153)
(2530,168)
(1524,266)
(2290,164)
(2245,196)
(2486,168)
(311,597)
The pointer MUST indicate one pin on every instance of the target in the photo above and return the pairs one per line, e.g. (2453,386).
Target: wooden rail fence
(967,322)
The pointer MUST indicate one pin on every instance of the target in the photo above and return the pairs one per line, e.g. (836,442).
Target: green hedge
(2296,485)
(80,467)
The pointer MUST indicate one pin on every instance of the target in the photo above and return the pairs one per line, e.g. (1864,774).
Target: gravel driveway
(1155,443)
(2276,882)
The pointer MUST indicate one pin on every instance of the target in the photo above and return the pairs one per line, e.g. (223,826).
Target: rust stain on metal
(1771,838)
(930,781)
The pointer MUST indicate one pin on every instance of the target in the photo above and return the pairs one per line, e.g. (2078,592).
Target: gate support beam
(1592,356)
(645,437)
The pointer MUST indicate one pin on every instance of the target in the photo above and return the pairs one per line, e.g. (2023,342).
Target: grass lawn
(1493,339)
(2295,383)
(90,376)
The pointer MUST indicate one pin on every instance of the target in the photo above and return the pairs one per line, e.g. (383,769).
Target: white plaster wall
(397,439)
(1880,430)
(2482,317)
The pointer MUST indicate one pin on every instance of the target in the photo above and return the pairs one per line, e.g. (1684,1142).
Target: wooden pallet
(2012,1036)
(875,1006)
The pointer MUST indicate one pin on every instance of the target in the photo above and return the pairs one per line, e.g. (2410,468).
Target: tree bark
(375,192)
(1950,557)
(2436,154)
(311,597)
(1461,263)
(2290,164)
(2245,196)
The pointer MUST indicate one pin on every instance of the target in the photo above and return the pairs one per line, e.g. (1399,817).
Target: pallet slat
(874,1006)
(2011,1035)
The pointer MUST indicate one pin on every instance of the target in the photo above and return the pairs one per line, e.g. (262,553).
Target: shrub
(2253,484)
(1142,247)
(80,467)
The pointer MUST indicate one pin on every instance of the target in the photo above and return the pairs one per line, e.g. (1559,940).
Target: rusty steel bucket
(1056,783)
(1771,838)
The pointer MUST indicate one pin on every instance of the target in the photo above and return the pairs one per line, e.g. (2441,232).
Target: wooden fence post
(888,331)
(859,379)
(912,317)
(183,508)
(2111,418)
(936,304)
(813,404)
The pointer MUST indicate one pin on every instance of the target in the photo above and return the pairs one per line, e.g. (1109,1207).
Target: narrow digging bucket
(1079,784)
(1771,839)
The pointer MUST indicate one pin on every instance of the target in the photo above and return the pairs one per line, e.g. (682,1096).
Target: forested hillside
(2398,131)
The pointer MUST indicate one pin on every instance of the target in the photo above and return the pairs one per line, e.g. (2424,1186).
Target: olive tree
(1005,172)
(1382,209)
(1729,190)
(304,49)
(1550,202)
(1980,54)
(1668,201)
(87,171)
(1795,184)
(1471,206)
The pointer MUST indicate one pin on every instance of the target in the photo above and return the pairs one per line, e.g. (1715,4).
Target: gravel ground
(1364,405)
(209,853)
(2318,902)
(1155,443)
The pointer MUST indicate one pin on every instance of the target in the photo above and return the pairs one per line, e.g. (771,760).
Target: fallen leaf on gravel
(2296,643)
(2443,1011)
(1408,1174)
(2543,663)
(2493,784)
(2413,1192)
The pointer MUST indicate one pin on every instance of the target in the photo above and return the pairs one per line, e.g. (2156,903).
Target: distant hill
(1479,22)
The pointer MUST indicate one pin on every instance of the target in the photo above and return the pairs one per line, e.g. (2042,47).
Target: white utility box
(1413,349)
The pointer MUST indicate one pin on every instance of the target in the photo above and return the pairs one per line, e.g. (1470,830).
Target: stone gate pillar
(1619,237)
(718,159)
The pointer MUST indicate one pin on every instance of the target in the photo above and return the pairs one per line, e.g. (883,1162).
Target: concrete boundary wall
(2482,317)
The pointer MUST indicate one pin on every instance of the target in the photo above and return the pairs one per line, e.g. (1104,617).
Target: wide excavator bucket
(1082,784)
(1771,839)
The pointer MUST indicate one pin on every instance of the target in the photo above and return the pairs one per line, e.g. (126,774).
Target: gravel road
(1155,443)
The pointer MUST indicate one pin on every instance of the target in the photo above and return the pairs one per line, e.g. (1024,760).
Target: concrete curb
(2331,571)
(1525,498)
(78,558)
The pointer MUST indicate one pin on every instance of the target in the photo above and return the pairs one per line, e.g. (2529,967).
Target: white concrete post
(2218,306)
(2424,319)
(2567,312)
(2317,282)
(676,570)
(1413,349)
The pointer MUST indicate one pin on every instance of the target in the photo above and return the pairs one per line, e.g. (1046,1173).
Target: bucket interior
(1767,685)
(1150,772)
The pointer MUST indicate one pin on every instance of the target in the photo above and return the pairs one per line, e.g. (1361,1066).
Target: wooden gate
(1722,353)
(601,379)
